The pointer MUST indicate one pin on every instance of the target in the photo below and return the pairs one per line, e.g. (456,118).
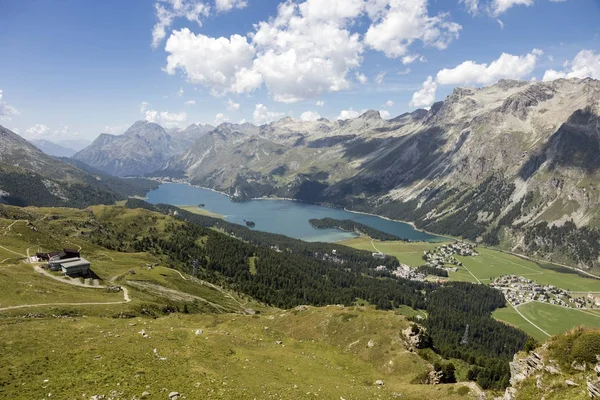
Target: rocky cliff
(143,148)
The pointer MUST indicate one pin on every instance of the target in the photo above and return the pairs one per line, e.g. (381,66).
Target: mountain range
(142,149)
(52,148)
(513,164)
(28,176)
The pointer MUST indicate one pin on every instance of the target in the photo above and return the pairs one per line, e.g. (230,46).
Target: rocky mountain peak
(371,114)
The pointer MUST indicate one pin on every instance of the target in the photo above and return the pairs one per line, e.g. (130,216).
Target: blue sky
(73,69)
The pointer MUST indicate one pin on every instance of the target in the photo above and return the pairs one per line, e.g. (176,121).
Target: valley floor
(539,320)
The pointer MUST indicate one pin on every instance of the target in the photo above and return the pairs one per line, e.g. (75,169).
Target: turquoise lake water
(285,217)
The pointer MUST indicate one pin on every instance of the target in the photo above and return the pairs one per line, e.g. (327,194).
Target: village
(405,272)
(444,255)
(519,290)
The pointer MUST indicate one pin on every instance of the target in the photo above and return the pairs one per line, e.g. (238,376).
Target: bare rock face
(145,147)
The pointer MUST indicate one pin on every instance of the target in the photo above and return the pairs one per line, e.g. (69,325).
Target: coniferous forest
(289,272)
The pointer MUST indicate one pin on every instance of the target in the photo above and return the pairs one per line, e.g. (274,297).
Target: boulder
(569,382)
(199,332)
(379,382)
(174,395)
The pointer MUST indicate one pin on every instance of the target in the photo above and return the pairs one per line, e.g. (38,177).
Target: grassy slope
(324,351)
(324,355)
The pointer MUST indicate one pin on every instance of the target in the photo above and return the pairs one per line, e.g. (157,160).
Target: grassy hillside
(53,330)
(328,353)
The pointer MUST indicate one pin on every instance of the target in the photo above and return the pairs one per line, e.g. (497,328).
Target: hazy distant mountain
(486,163)
(143,148)
(30,177)
(53,149)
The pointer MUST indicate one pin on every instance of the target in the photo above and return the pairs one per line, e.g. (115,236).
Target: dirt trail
(126,297)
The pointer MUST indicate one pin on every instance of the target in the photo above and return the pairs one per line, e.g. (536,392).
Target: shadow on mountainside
(575,144)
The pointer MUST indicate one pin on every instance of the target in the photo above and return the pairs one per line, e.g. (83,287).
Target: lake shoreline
(428,236)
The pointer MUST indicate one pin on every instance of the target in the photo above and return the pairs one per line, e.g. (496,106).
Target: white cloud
(168,10)
(6,110)
(499,21)
(425,97)
(310,116)
(404,72)
(190,102)
(500,6)
(389,103)
(348,114)
(232,105)
(180,92)
(320,103)
(379,78)
(220,118)
(222,64)
(384,114)
(507,66)
(362,78)
(494,8)
(228,5)
(585,64)
(307,50)
(38,131)
(114,129)
(411,58)
(262,115)
(471,5)
(163,118)
(310,47)
(404,22)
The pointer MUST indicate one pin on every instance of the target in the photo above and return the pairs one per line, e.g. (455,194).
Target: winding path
(126,297)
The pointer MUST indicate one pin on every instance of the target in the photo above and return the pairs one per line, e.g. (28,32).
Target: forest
(352,226)
(291,272)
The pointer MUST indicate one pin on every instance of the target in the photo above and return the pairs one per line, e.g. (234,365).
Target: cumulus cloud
(348,114)
(389,103)
(500,6)
(114,129)
(262,115)
(222,64)
(384,114)
(220,118)
(6,110)
(362,78)
(228,5)
(163,118)
(232,105)
(426,95)
(401,23)
(38,131)
(308,48)
(310,116)
(494,7)
(507,66)
(180,92)
(320,103)
(168,10)
(190,102)
(585,64)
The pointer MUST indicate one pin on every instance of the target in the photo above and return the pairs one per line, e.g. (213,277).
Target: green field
(488,265)
(492,263)
(555,319)
(409,253)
